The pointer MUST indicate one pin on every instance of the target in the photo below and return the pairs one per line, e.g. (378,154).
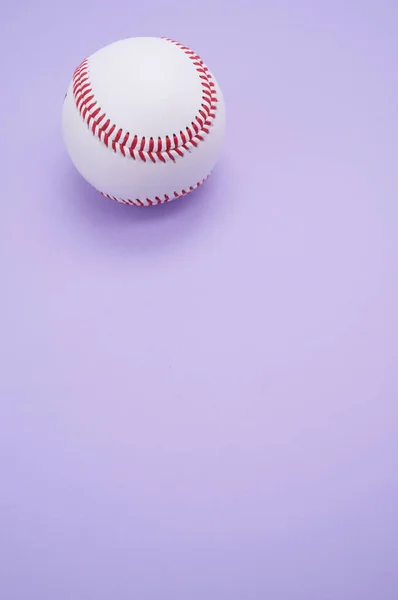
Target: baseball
(143,120)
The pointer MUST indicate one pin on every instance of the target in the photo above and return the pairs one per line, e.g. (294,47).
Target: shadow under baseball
(143,228)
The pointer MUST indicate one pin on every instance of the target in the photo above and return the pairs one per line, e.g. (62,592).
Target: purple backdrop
(199,401)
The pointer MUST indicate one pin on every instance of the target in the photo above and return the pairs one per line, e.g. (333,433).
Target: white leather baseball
(143,120)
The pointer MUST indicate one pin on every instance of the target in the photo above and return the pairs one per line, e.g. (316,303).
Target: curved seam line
(157,199)
(147,148)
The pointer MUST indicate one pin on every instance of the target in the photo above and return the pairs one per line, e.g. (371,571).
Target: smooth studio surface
(199,401)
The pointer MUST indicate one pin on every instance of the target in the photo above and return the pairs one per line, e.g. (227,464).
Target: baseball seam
(169,148)
(157,199)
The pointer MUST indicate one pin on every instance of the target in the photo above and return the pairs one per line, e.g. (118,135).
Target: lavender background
(200,401)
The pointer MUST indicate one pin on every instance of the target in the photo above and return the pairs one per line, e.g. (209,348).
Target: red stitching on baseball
(157,199)
(174,145)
